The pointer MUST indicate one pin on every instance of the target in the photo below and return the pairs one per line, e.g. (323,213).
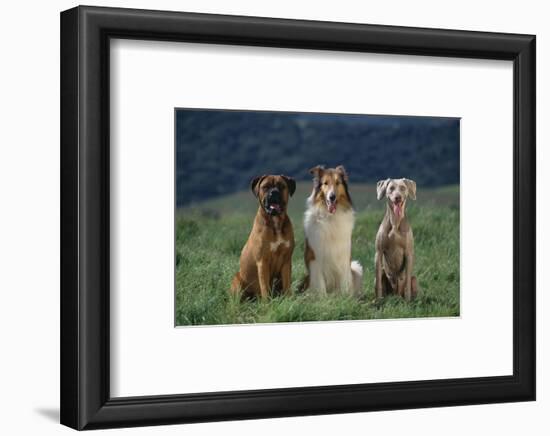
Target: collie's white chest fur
(329,236)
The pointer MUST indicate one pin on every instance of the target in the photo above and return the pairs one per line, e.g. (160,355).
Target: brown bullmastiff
(266,258)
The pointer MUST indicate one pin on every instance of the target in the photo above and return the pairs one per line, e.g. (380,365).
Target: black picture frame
(85,372)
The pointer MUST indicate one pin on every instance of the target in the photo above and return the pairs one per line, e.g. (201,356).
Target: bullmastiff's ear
(411,186)
(342,171)
(291,183)
(255,184)
(381,188)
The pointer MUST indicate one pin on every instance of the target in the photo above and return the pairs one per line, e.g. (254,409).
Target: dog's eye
(337,183)
(391,188)
(401,188)
(325,183)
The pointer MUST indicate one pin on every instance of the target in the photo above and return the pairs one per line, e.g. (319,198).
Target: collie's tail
(357,276)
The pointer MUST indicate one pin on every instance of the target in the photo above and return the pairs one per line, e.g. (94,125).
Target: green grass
(210,236)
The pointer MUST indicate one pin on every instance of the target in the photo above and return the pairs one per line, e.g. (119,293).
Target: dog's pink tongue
(397,210)
(332,208)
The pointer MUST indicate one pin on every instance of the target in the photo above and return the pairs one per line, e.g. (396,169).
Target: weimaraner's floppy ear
(291,183)
(381,188)
(342,171)
(255,184)
(411,186)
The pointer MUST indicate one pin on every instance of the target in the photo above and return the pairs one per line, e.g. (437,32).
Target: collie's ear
(317,171)
(342,171)
(381,188)
(291,183)
(255,184)
(411,186)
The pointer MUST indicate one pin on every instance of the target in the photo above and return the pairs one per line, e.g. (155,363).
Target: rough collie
(328,225)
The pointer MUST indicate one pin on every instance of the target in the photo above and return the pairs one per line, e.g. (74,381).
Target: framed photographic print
(265,217)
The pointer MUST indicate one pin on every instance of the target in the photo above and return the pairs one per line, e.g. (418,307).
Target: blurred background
(218,152)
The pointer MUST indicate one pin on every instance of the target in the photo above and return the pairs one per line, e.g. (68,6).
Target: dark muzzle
(273,203)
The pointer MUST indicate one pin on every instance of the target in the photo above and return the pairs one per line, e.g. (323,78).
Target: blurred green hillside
(219,152)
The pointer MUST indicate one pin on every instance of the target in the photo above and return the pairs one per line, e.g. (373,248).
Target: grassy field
(210,236)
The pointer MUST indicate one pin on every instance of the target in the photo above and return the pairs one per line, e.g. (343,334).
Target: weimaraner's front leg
(408,277)
(379,286)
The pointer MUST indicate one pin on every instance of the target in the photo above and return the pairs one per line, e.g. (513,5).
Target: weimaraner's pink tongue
(397,210)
